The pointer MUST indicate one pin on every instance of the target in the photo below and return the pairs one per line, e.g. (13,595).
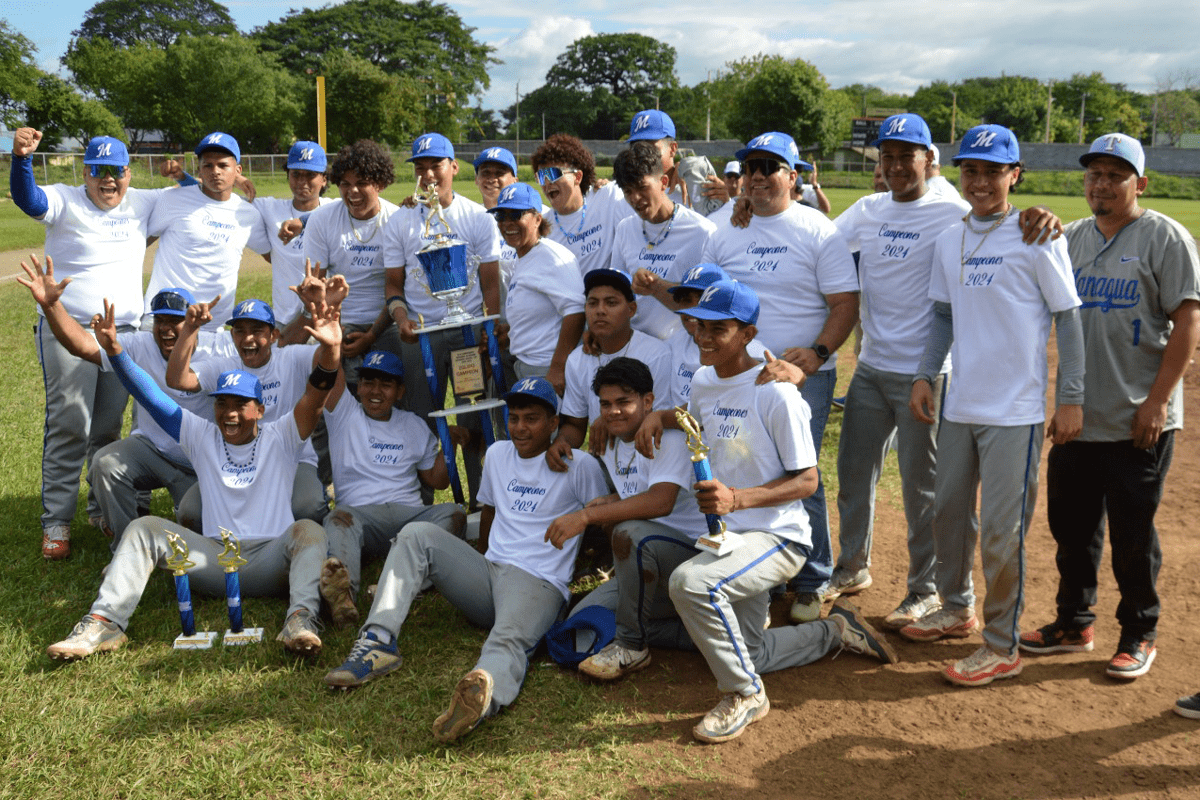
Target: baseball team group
(664,320)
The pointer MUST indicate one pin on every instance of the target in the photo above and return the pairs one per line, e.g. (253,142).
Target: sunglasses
(767,166)
(168,301)
(106,171)
(551,174)
(509,214)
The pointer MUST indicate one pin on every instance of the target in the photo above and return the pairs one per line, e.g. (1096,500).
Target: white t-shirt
(943,188)
(791,260)
(200,246)
(247,488)
(545,287)
(723,214)
(588,233)
(287,260)
(756,434)
(376,462)
(685,360)
(354,249)
(528,496)
(142,348)
(632,473)
(1002,293)
(580,401)
(404,237)
(678,251)
(895,244)
(283,379)
(100,251)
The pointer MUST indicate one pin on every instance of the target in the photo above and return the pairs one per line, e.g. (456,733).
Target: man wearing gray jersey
(1137,275)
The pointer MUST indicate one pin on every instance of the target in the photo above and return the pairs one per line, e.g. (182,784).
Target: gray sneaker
(615,661)
(91,635)
(857,634)
(844,581)
(728,720)
(299,634)
(911,608)
(807,607)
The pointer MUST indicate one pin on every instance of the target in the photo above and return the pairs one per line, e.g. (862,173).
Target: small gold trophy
(716,541)
(231,559)
(179,564)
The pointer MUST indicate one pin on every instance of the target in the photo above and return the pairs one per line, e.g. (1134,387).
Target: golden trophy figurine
(717,540)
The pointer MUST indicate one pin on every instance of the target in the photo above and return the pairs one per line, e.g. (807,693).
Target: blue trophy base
(719,544)
(200,640)
(244,636)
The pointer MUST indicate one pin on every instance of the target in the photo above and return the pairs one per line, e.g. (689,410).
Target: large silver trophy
(444,261)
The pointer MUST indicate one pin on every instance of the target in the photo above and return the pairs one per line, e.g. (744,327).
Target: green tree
(788,95)
(1176,112)
(60,112)
(21,74)
(128,79)
(1107,107)
(422,41)
(361,100)
(126,22)
(224,83)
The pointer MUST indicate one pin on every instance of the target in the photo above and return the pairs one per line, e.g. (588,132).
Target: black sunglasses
(510,214)
(168,301)
(109,170)
(767,166)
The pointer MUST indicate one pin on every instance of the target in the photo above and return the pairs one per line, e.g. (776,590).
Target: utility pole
(708,109)
(1049,106)
(1082,106)
(953,113)
(518,153)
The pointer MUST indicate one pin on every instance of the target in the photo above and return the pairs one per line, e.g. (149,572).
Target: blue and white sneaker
(731,716)
(368,659)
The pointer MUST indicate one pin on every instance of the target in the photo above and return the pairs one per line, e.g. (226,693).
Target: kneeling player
(516,588)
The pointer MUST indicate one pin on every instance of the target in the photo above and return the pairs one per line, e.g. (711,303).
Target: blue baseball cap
(583,634)
(431,145)
(650,125)
(519,196)
(989,143)
(220,141)
(385,362)
(904,128)
(700,277)
(253,309)
(775,143)
(1117,145)
(726,300)
(307,155)
(496,155)
(106,150)
(238,383)
(172,302)
(537,388)
(616,278)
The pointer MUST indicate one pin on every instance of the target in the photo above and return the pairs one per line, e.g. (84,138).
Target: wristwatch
(822,352)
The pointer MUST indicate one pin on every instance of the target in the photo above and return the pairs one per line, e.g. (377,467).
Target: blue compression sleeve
(166,412)
(187,180)
(28,196)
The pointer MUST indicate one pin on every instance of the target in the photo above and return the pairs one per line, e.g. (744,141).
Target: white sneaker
(941,624)
(614,661)
(912,608)
(807,607)
(731,716)
(982,667)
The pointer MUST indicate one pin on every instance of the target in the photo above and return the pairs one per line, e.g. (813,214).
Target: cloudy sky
(898,46)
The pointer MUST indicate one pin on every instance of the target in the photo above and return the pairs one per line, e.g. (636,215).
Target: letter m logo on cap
(106,149)
(247,307)
(527,385)
(708,293)
(214,138)
(423,143)
(640,122)
(306,154)
(375,360)
(231,380)
(693,274)
(493,152)
(508,193)
(983,139)
(896,126)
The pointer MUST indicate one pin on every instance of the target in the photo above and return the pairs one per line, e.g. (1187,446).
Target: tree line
(394,69)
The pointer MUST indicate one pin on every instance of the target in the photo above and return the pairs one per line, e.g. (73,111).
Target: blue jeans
(818,393)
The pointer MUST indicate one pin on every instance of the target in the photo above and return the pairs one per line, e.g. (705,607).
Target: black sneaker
(1057,638)
(1133,659)
(1188,706)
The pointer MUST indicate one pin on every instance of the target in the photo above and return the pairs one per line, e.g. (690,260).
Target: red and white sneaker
(982,667)
(941,624)
(56,542)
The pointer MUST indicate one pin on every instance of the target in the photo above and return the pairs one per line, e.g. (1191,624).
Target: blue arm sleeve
(166,412)
(187,180)
(28,196)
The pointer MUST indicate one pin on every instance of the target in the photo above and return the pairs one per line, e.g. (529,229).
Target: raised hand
(41,284)
(25,141)
(105,327)
(200,314)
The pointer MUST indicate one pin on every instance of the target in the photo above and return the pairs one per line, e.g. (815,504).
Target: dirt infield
(848,728)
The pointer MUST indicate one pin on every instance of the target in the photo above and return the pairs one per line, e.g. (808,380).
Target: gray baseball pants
(363,533)
(123,469)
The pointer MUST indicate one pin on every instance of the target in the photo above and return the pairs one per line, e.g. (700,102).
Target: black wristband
(321,378)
